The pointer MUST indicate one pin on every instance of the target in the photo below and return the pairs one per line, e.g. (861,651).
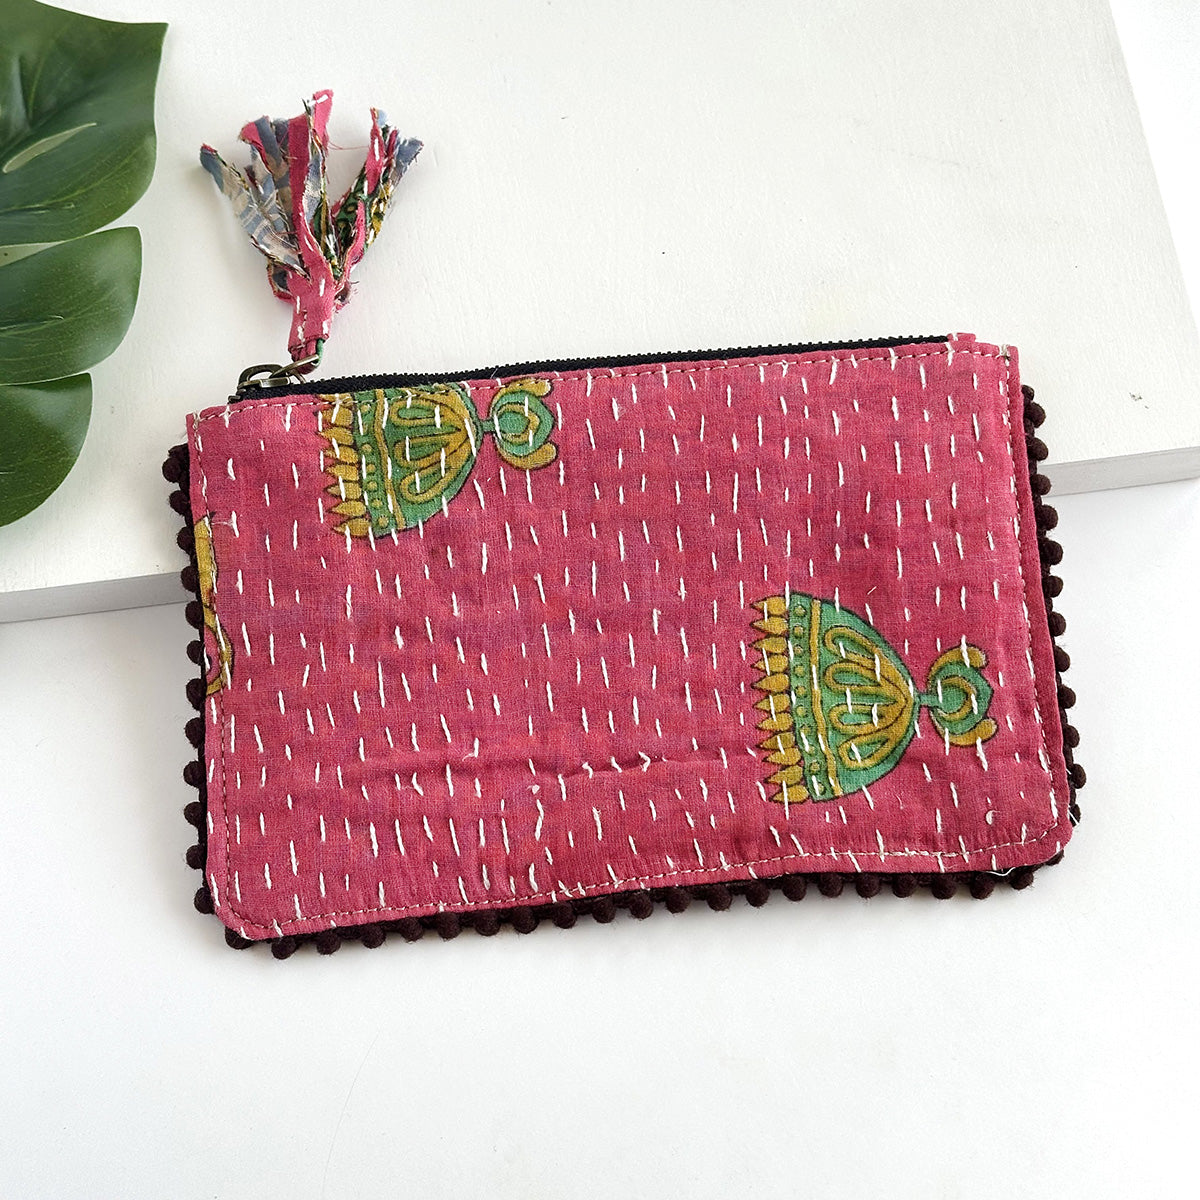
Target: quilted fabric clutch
(567,638)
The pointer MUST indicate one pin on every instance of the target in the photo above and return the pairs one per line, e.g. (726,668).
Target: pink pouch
(562,638)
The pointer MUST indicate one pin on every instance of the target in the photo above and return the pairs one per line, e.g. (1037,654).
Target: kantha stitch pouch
(567,638)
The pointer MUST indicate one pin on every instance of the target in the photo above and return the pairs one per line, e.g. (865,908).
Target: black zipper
(356,383)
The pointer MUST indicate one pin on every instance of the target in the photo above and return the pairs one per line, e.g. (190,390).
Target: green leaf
(65,308)
(42,428)
(12,253)
(76,119)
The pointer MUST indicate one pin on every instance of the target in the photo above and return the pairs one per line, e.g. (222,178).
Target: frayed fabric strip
(866,705)
(310,241)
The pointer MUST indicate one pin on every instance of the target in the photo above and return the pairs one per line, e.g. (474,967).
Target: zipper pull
(273,375)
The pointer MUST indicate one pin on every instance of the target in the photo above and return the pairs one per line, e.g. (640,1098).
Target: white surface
(1040,1044)
(1160,40)
(629,177)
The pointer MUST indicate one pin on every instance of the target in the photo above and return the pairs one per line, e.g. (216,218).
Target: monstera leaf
(76,120)
(67,307)
(76,150)
(41,433)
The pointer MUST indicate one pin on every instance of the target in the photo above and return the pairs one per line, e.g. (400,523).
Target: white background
(1038,1044)
(644,175)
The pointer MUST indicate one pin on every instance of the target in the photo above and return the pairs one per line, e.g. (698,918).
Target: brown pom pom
(1062,660)
(1034,411)
(487,923)
(1037,449)
(868,885)
(373,936)
(794,887)
(193,773)
(185,539)
(677,899)
(235,941)
(193,813)
(410,929)
(179,502)
(829,884)
(1066,696)
(195,651)
(328,941)
(718,897)
(1021,878)
(1052,552)
(172,469)
(195,693)
(757,893)
(1058,624)
(943,886)
(1047,517)
(193,614)
(523,920)
(194,731)
(982,885)
(195,857)
(904,885)
(1078,775)
(1040,484)
(447,925)
(1070,736)
(1053,585)
(640,905)
(284,947)
(563,915)
(603,909)
(203,899)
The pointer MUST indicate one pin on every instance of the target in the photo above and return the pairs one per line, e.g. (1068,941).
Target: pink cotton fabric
(547,692)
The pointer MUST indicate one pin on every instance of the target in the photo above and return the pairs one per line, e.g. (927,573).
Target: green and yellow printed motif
(399,455)
(839,707)
(220,662)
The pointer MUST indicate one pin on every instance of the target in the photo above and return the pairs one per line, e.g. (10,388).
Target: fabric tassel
(282,203)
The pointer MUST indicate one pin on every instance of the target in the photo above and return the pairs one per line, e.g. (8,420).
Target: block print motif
(397,456)
(218,650)
(839,707)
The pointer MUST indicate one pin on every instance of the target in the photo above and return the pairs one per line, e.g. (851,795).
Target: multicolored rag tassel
(283,205)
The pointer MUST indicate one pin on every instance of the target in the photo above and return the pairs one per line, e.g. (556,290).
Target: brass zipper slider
(272,375)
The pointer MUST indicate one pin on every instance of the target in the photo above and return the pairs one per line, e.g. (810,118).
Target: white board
(621,178)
